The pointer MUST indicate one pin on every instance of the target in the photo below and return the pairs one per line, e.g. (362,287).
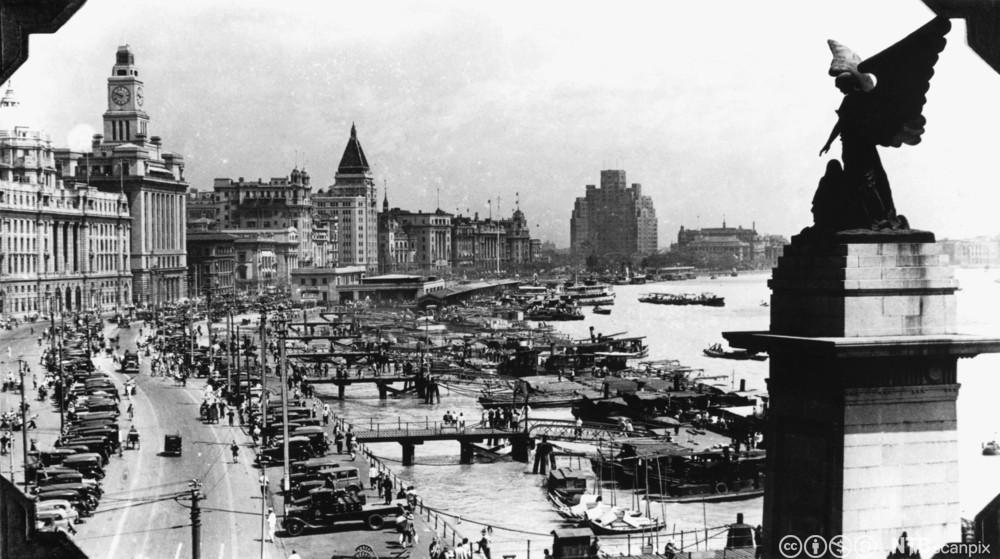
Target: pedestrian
(235,449)
(484,544)
(272,524)
(463,551)
(354,450)
(255,434)
(326,414)
(595,549)
(579,428)
(294,555)
(131,411)
(231,414)
(264,482)
(387,489)
(375,480)
(338,439)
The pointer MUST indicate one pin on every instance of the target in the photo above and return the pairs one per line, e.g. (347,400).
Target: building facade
(730,246)
(211,264)
(63,245)
(265,258)
(351,204)
(125,159)
(278,203)
(321,286)
(614,220)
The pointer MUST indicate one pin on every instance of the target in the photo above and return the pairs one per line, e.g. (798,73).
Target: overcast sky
(716,108)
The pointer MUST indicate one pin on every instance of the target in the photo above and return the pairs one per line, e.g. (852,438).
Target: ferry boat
(590,294)
(704,299)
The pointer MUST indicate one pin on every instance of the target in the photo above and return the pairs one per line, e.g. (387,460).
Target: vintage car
(299,448)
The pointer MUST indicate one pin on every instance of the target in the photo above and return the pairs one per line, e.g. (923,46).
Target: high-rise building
(613,221)
(63,245)
(125,159)
(352,201)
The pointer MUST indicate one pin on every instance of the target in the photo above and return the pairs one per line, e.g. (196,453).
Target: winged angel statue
(883,103)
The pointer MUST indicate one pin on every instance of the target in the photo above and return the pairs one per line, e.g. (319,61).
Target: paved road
(145,511)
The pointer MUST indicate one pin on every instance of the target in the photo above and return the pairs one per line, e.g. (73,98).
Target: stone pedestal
(861,434)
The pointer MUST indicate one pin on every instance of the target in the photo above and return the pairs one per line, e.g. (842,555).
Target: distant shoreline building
(730,246)
(439,241)
(614,220)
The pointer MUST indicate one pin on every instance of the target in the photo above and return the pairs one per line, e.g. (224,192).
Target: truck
(327,507)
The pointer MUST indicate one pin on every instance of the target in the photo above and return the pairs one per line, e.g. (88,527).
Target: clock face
(120,95)
(138,96)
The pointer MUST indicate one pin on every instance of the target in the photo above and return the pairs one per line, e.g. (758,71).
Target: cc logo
(790,546)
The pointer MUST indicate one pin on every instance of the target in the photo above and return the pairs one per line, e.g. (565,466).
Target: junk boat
(704,299)
(716,350)
(991,448)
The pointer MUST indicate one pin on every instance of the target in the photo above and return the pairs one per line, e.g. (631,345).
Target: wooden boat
(601,310)
(619,520)
(567,485)
(717,351)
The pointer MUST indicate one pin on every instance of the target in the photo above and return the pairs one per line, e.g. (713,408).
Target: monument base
(861,434)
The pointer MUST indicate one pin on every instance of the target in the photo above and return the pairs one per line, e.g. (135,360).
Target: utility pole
(229,356)
(284,406)
(24,421)
(263,376)
(195,519)
(58,358)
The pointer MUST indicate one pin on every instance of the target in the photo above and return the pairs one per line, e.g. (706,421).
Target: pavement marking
(177,554)
(222,550)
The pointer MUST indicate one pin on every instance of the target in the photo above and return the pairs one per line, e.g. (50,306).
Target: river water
(506,496)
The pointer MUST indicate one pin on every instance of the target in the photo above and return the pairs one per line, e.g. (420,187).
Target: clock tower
(125,118)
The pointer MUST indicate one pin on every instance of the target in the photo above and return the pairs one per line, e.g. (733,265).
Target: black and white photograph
(445,279)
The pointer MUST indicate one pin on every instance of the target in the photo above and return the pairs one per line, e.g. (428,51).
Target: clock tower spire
(125,121)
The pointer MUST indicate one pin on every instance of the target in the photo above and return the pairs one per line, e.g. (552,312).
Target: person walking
(387,489)
(231,414)
(235,449)
(326,414)
(484,544)
(272,524)
(131,411)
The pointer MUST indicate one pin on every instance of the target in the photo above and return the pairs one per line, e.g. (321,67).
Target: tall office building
(351,202)
(613,221)
(126,160)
